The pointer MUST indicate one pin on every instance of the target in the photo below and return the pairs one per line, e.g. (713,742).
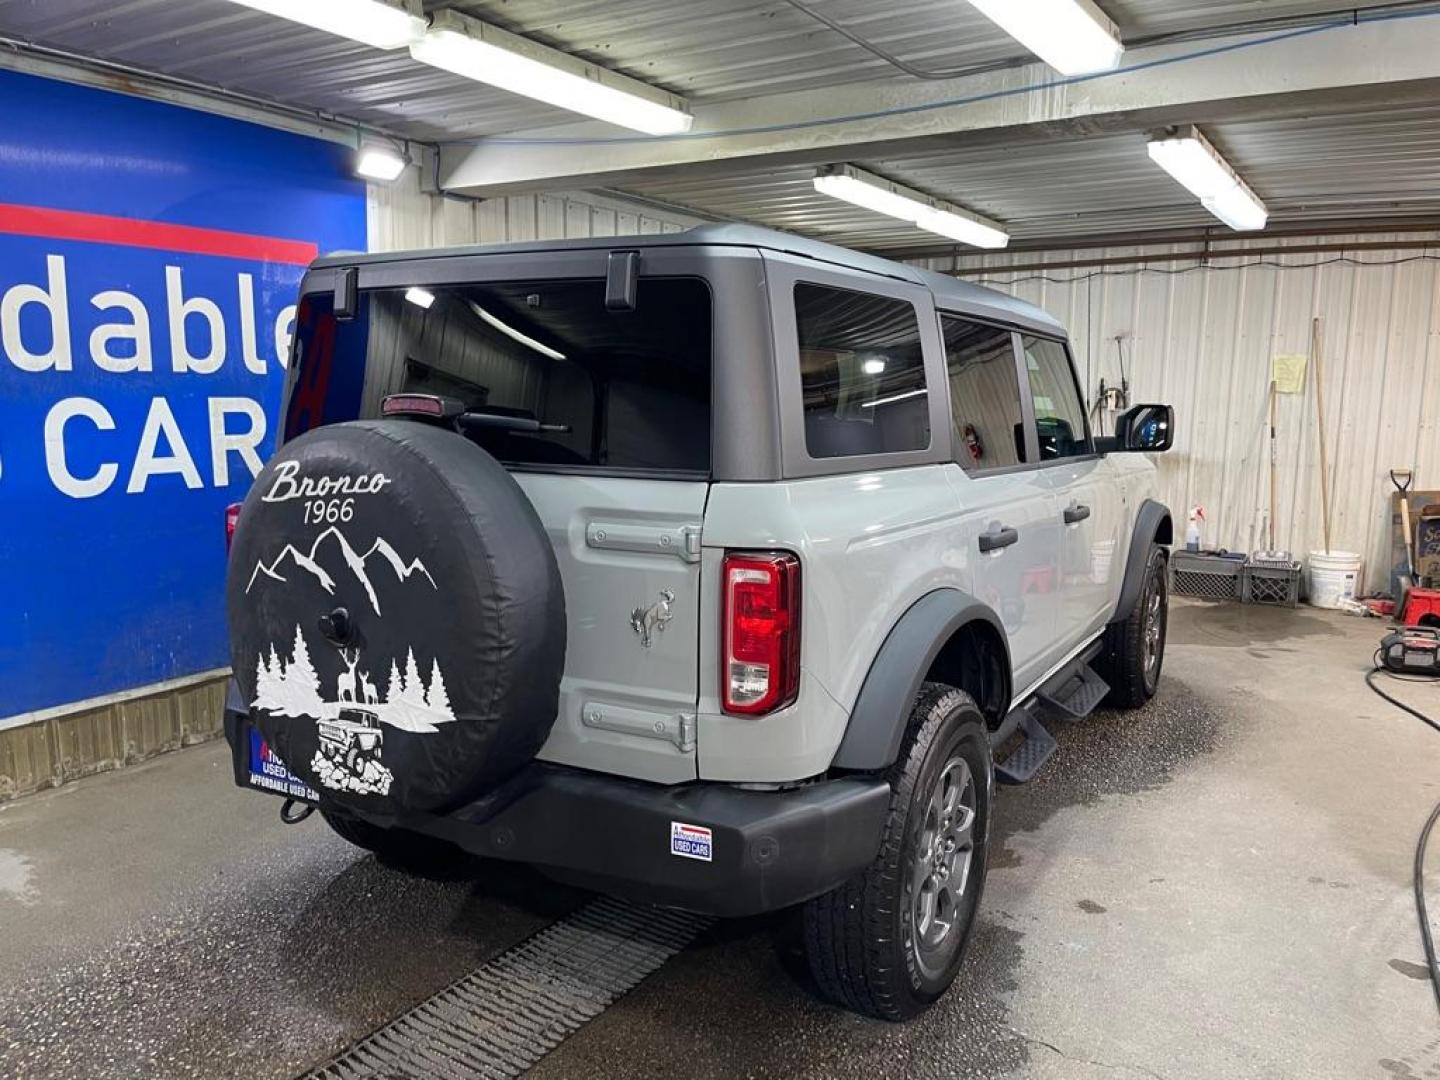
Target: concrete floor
(1215,886)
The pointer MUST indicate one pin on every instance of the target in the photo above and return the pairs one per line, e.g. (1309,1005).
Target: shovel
(1396,478)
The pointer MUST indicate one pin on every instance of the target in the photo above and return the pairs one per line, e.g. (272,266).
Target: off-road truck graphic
(721,570)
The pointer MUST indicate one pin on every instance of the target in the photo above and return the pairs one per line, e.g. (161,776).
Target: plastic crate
(1210,577)
(1271,581)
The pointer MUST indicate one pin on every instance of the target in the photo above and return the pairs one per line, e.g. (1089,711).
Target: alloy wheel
(942,863)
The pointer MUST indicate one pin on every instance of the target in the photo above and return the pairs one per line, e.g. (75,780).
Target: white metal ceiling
(709,50)
(1373,164)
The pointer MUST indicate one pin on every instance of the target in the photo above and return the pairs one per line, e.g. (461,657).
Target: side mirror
(1145,428)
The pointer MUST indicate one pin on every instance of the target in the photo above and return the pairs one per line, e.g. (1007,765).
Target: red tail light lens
(232,516)
(760,658)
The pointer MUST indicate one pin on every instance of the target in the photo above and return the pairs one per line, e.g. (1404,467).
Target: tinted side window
(1059,416)
(984,395)
(862,373)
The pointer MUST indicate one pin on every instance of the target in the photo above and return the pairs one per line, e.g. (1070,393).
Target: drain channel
(507,1014)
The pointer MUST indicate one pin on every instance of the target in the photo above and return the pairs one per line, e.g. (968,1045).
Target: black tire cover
(447,676)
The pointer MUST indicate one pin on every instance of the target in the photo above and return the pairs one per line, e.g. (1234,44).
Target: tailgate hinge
(690,535)
(682,541)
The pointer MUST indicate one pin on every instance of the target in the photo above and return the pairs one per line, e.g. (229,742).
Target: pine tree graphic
(437,698)
(394,688)
(413,690)
(301,671)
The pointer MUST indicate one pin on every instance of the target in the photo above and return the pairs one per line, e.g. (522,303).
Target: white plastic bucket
(1332,577)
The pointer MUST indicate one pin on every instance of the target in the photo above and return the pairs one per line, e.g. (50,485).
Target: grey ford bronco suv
(721,570)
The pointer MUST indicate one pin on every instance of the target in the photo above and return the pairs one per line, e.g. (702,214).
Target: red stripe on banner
(133,232)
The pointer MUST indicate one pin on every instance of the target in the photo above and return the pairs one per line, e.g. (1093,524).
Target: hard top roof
(950,293)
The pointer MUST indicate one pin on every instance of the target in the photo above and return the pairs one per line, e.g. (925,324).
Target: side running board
(1076,696)
(1029,756)
(1070,694)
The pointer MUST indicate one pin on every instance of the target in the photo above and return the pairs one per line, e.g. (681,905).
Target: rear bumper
(767,850)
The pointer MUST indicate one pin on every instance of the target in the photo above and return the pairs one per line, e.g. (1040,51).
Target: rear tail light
(232,516)
(761,649)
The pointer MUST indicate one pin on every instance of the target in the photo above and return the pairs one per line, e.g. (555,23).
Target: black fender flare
(882,709)
(1151,518)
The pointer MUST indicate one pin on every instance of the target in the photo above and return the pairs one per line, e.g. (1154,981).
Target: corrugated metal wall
(401,216)
(1202,337)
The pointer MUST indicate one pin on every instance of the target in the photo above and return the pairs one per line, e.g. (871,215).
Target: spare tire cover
(397,619)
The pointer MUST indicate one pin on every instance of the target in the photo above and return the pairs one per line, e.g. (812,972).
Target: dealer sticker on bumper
(269,773)
(690,841)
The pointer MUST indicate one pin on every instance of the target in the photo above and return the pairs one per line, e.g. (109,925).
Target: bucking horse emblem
(647,622)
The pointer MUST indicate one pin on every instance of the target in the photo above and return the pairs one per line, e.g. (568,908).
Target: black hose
(1426,938)
(1370,681)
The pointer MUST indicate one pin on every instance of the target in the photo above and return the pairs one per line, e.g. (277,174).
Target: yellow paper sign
(1289,373)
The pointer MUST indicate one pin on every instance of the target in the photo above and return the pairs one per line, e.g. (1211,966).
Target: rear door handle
(996,539)
(1076,513)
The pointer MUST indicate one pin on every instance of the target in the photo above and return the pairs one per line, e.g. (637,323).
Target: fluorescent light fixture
(871,195)
(859,188)
(967,228)
(873,366)
(893,398)
(1073,36)
(477,50)
(510,332)
(1238,207)
(420,297)
(376,162)
(1194,163)
(1198,167)
(381,24)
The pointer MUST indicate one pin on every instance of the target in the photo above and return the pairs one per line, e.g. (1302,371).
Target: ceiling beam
(1209,235)
(1342,66)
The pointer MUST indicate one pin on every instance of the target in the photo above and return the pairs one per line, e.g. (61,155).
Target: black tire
(399,848)
(866,941)
(1135,647)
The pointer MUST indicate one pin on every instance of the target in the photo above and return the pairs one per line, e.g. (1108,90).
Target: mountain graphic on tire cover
(309,562)
(447,678)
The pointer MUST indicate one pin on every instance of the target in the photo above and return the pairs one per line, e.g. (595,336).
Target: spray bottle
(1192,528)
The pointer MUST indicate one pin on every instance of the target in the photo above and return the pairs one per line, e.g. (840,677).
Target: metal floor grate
(506,1015)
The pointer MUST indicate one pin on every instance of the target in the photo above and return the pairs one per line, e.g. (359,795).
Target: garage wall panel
(402,216)
(1202,336)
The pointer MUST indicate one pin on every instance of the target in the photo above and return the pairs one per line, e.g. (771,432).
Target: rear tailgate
(629,554)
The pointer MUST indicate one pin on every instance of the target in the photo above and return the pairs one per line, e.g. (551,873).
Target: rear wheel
(889,942)
(1135,647)
(400,848)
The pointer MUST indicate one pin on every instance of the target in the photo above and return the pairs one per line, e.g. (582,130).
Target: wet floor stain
(1090,907)
(1249,626)
(1411,970)
(1110,752)
(754,968)
(17,877)
(1003,858)
(275,967)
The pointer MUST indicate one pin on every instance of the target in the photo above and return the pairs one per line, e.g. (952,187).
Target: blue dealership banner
(149,262)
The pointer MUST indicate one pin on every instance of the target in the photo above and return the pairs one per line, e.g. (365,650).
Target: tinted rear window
(625,390)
